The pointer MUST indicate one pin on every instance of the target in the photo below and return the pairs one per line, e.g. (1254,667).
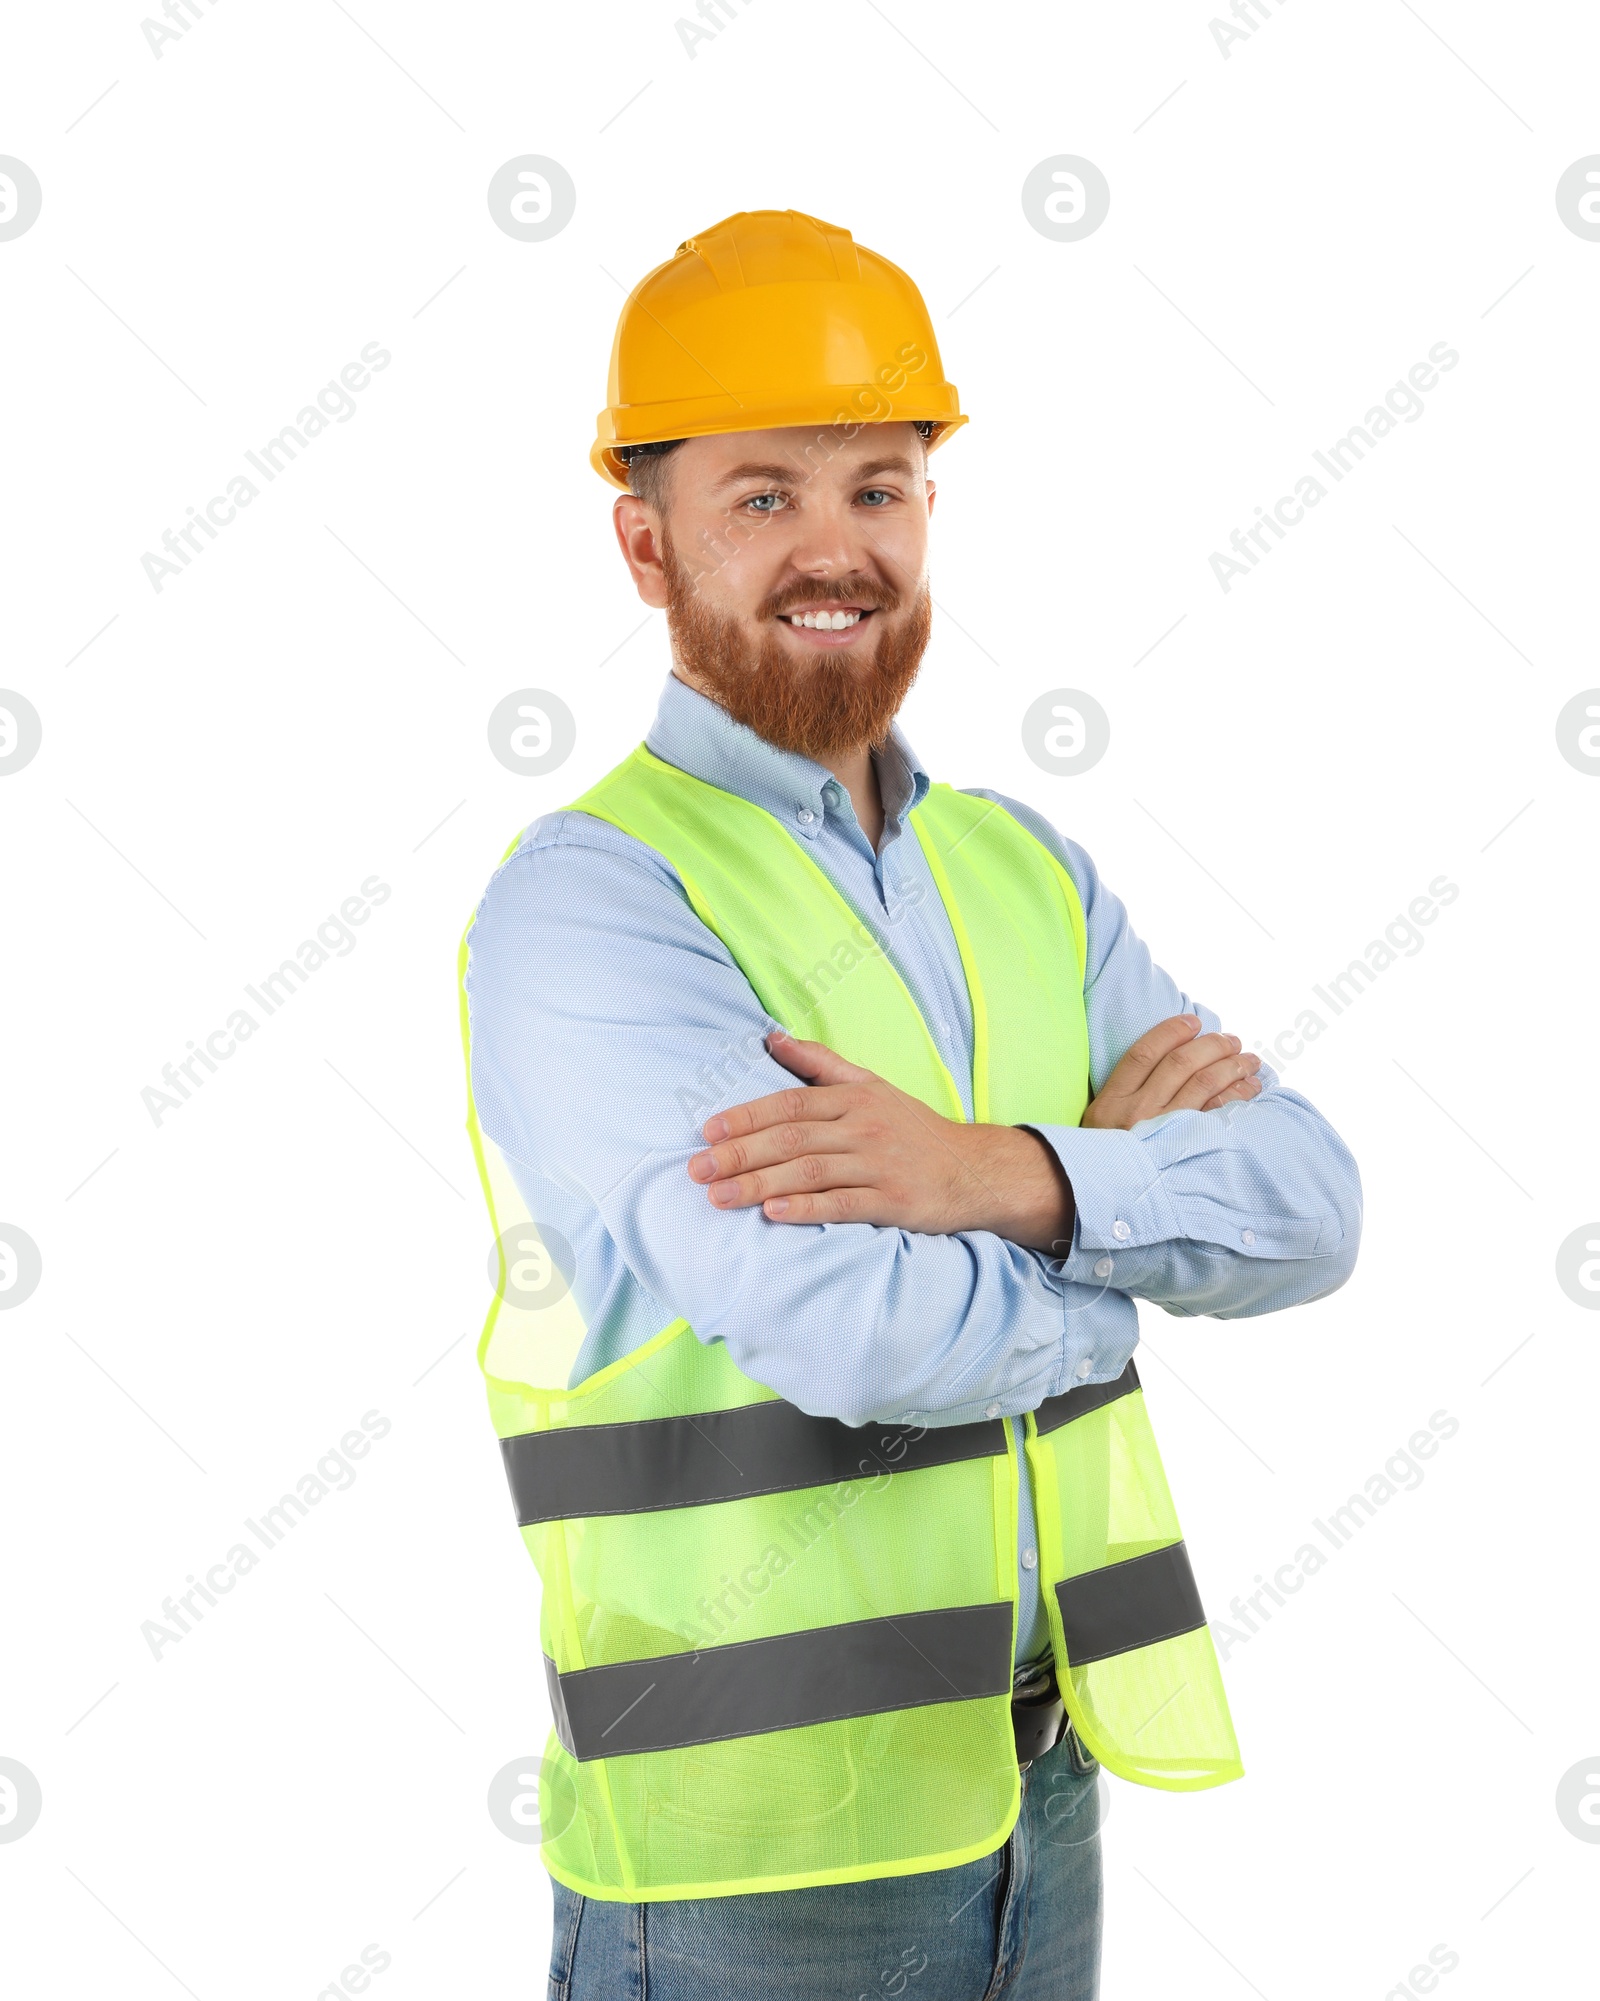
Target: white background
(226,760)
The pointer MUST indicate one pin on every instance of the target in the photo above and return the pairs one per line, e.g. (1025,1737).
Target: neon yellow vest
(778,1648)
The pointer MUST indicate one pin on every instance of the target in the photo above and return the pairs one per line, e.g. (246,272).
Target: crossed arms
(609,1027)
(853,1148)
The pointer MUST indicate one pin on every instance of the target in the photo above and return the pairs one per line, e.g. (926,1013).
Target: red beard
(823,708)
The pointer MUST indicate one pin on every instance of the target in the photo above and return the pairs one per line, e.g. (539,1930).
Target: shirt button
(1102,1267)
(1248,1237)
(1030,1559)
(1120,1230)
(831,794)
(1085,1368)
(992,1411)
(805,816)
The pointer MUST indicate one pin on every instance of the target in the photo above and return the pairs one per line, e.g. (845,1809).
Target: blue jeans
(1022,1923)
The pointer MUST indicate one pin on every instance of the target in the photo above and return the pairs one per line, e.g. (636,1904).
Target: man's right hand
(1172,1068)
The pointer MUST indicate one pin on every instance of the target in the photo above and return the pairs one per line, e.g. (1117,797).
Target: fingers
(837,1205)
(1170,1068)
(811,1059)
(1233,1074)
(772,1146)
(800,1102)
(790,1147)
(1140,1059)
(1246,1089)
(1180,1066)
(807,1175)
(819,1100)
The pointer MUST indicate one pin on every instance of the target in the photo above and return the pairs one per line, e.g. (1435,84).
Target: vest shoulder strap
(1019,926)
(813,961)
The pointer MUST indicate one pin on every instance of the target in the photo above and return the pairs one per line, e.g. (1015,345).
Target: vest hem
(1136,1775)
(922,1865)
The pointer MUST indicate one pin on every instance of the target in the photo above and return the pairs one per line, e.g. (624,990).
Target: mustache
(858,589)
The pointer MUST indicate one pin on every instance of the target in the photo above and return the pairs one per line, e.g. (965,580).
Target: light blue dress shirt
(608,1024)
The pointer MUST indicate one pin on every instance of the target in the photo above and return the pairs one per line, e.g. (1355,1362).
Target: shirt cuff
(1120,1203)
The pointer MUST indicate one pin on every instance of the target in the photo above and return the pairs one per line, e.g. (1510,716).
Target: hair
(649,473)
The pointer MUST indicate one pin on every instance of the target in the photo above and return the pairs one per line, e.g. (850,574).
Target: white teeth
(824,621)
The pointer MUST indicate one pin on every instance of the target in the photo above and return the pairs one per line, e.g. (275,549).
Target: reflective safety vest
(778,1648)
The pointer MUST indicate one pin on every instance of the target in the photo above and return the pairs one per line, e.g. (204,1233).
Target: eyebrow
(760,469)
(788,474)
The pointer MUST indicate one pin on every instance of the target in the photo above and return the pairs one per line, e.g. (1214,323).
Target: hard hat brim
(689,421)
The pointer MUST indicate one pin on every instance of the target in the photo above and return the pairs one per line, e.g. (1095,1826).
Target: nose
(829,542)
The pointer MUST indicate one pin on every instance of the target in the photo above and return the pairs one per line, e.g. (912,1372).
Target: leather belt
(1038,1714)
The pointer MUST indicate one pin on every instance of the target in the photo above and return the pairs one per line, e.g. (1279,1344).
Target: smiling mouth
(826,618)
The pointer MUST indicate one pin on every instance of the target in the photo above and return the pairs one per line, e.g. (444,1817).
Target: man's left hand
(849,1147)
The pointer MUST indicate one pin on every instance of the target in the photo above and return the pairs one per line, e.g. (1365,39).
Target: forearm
(1018,1187)
(850,1147)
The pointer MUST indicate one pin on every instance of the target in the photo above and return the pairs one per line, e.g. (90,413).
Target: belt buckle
(1035,1698)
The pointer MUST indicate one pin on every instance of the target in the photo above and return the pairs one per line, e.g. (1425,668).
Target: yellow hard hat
(770,318)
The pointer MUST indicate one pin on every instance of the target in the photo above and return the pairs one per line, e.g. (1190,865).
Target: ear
(638,529)
(933,493)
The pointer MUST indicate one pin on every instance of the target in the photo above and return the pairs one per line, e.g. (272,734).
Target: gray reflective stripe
(1127,1605)
(860,1669)
(1057,1411)
(558,1707)
(718,1455)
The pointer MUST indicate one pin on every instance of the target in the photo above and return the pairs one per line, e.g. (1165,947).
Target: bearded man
(858,1558)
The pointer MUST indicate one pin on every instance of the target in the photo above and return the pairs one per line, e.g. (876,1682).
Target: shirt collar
(700,737)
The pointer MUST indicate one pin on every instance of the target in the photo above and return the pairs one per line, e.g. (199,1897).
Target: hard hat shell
(770,318)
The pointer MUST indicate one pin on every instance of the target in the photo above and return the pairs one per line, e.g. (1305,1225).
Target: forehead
(801,451)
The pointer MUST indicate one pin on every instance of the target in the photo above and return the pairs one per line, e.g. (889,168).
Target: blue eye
(759,501)
(875,497)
